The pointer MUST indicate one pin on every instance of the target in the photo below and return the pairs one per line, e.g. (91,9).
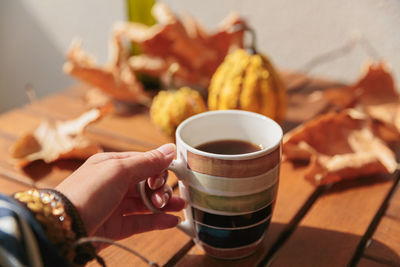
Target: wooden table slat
(157,246)
(394,205)
(365,262)
(385,244)
(8,186)
(136,126)
(331,230)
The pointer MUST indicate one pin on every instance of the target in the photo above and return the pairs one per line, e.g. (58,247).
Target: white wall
(294,31)
(35,35)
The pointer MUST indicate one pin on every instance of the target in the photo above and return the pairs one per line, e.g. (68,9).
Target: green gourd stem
(241,27)
(252,47)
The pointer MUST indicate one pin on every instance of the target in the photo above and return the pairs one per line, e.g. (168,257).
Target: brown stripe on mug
(233,168)
(232,253)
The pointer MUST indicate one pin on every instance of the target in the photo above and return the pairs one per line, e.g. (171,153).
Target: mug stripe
(220,238)
(233,187)
(236,204)
(217,220)
(231,253)
(233,168)
(235,228)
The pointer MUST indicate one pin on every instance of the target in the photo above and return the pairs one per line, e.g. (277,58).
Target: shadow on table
(359,182)
(38,170)
(127,109)
(308,246)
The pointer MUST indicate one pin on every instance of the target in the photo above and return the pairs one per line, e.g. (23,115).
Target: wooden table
(355,223)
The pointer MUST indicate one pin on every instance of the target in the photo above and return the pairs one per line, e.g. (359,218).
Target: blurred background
(35,35)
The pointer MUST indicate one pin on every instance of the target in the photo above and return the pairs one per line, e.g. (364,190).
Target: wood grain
(393,210)
(8,186)
(158,246)
(364,262)
(385,243)
(331,230)
(135,126)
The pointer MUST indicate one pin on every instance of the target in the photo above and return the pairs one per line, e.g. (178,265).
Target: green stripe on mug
(236,204)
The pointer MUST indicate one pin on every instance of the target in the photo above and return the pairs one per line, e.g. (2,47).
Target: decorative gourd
(248,81)
(170,108)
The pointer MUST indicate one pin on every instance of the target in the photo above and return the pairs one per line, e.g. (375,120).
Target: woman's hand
(104,190)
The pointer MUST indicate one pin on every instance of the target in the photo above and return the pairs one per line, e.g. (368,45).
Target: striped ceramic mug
(230,197)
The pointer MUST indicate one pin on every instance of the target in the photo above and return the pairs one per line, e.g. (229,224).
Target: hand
(104,190)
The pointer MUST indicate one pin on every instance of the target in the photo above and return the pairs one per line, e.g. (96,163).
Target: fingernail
(159,200)
(165,198)
(167,149)
(158,182)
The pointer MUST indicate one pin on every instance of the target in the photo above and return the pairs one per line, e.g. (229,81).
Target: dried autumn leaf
(374,88)
(377,86)
(386,119)
(339,146)
(54,140)
(379,97)
(150,65)
(115,79)
(95,98)
(376,93)
(182,41)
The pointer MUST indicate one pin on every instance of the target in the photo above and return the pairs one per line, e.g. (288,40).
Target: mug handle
(177,166)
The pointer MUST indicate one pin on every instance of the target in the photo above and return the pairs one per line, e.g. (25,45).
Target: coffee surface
(228,147)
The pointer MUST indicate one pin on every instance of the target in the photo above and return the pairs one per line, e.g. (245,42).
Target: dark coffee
(228,147)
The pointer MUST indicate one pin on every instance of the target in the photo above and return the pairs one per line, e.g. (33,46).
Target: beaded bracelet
(61,222)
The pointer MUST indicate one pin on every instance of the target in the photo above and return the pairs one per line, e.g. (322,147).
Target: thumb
(150,163)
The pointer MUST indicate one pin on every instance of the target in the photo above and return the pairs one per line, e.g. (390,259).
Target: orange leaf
(115,79)
(185,42)
(386,120)
(375,87)
(339,146)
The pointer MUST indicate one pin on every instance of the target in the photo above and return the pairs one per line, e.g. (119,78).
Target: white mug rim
(264,151)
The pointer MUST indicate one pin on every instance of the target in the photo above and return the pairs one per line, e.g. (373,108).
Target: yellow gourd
(170,108)
(248,81)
